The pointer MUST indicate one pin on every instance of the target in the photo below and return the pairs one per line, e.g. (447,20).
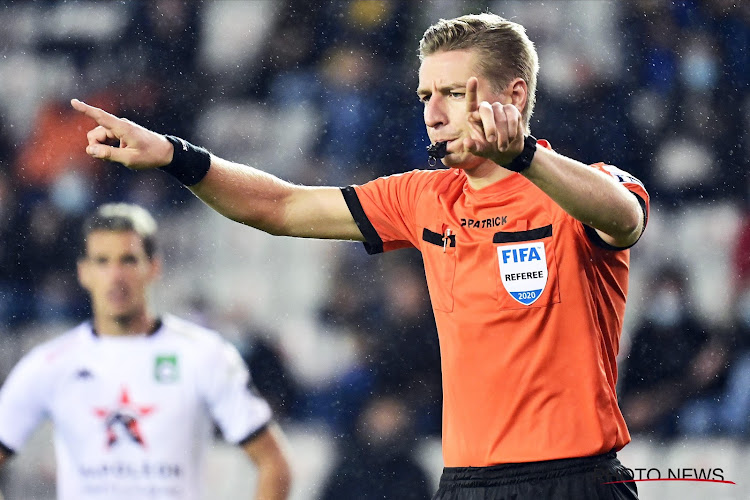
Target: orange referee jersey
(529,305)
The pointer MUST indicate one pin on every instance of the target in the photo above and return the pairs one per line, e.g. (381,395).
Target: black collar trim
(155,328)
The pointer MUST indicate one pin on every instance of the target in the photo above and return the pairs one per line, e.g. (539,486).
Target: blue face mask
(665,309)
(70,193)
(700,71)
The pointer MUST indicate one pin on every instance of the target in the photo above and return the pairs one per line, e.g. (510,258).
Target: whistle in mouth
(438,150)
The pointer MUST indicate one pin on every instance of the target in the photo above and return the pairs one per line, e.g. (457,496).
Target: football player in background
(133,395)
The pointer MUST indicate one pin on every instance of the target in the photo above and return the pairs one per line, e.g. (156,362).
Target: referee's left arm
(589,195)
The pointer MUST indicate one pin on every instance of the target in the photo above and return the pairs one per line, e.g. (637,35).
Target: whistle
(438,150)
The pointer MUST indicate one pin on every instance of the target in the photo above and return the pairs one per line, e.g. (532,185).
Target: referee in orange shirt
(525,252)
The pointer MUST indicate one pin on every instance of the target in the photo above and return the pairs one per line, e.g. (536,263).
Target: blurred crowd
(323,93)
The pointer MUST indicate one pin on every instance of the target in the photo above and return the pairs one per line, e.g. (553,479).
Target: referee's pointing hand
(139,148)
(496,130)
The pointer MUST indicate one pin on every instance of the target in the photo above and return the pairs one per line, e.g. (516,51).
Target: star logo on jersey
(122,421)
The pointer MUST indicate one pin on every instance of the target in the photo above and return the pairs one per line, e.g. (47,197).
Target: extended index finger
(101,117)
(472,104)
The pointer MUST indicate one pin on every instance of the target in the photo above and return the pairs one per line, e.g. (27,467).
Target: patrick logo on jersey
(523,269)
(122,420)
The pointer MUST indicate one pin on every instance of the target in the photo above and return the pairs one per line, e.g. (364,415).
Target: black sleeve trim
(516,236)
(257,432)
(598,241)
(373,243)
(6,451)
(437,238)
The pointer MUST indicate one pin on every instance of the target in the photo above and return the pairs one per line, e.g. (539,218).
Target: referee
(529,311)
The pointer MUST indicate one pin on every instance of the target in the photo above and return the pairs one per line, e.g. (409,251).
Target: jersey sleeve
(632,184)
(236,408)
(385,209)
(22,401)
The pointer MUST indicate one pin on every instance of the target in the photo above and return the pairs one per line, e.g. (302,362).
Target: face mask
(666,309)
(699,71)
(70,193)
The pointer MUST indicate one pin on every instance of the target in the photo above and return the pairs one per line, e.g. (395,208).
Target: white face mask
(70,193)
(666,309)
(699,70)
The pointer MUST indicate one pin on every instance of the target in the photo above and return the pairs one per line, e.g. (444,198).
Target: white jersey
(132,416)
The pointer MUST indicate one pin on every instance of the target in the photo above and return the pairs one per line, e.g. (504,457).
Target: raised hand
(496,129)
(139,148)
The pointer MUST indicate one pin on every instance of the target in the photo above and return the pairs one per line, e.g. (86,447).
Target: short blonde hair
(505,51)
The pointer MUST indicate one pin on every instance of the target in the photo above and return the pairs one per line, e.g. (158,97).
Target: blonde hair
(505,51)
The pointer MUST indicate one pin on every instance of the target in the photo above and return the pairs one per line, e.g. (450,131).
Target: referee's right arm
(238,192)
(263,201)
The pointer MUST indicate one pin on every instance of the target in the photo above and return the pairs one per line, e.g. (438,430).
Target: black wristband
(523,160)
(189,164)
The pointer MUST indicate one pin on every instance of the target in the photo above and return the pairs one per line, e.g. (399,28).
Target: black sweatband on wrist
(189,164)
(523,160)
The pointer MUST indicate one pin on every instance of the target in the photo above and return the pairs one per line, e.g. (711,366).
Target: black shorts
(571,478)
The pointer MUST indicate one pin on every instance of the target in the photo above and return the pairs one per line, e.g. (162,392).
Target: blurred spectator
(166,72)
(732,408)
(48,244)
(338,402)
(378,462)
(406,351)
(671,358)
(655,27)
(287,75)
(56,145)
(349,303)
(351,110)
(731,23)
(12,296)
(706,386)
(271,376)
(396,338)
(741,256)
(374,24)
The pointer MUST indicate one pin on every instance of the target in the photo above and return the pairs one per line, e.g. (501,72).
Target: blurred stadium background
(322,93)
